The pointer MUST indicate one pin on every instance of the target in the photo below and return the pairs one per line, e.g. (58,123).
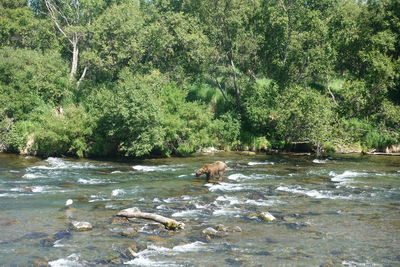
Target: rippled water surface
(339,210)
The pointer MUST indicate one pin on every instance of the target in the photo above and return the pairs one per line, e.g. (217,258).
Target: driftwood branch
(136,213)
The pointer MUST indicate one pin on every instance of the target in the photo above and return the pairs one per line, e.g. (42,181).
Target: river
(338,210)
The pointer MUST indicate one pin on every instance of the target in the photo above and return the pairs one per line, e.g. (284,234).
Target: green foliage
(353,130)
(17,138)
(305,116)
(169,77)
(53,132)
(116,40)
(260,104)
(209,95)
(128,116)
(226,130)
(380,140)
(20,28)
(353,99)
(254,143)
(186,124)
(29,78)
(295,43)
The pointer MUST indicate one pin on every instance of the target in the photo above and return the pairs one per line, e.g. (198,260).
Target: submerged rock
(38,262)
(111,260)
(130,252)
(62,234)
(81,226)
(46,243)
(129,232)
(34,235)
(212,233)
(120,220)
(221,227)
(237,229)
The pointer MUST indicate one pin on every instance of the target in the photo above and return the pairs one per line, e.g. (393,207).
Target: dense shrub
(29,79)
(305,116)
(128,116)
(260,104)
(226,131)
(52,132)
(186,124)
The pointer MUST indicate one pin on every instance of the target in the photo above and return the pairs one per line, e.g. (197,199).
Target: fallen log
(170,224)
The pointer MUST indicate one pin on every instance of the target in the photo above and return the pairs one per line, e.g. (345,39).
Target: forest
(139,78)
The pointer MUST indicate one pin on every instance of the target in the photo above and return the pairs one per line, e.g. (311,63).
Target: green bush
(252,142)
(305,116)
(260,103)
(379,140)
(128,116)
(17,138)
(52,132)
(186,124)
(226,131)
(29,79)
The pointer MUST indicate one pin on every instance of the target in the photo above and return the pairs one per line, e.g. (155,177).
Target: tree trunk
(75,55)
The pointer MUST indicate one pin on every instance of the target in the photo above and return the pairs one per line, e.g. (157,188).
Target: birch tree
(71,19)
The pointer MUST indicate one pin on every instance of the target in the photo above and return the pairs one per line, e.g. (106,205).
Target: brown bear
(217,168)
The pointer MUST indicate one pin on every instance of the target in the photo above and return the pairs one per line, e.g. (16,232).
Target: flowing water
(339,210)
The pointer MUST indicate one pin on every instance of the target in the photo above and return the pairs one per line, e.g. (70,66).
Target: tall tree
(71,19)
(295,45)
(19,27)
(228,24)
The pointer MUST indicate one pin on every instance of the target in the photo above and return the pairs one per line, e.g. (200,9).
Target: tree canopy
(169,77)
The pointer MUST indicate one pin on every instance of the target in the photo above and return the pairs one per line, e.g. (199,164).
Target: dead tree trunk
(136,213)
(75,56)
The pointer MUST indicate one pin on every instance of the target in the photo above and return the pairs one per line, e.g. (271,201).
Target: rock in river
(265,216)
(129,232)
(81,226)
(211,232)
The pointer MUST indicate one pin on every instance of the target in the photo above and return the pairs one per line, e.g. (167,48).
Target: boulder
(212,233)
(265,216)
(81,226)
(237,229)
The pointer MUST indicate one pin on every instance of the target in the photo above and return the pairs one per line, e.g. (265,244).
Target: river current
(341,210)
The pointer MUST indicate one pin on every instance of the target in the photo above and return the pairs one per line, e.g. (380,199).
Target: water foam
(58,163)
(30,176)
(117,192)
(242,177)
(320,161)
(227,212)
(310,192)
(229,187)
(235,201)
(195,246)
(90,181)
(345,177)
(33,189)
(187,213)
(144,168)
(143,258)
(238,177)
(252,163)
(71,260)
